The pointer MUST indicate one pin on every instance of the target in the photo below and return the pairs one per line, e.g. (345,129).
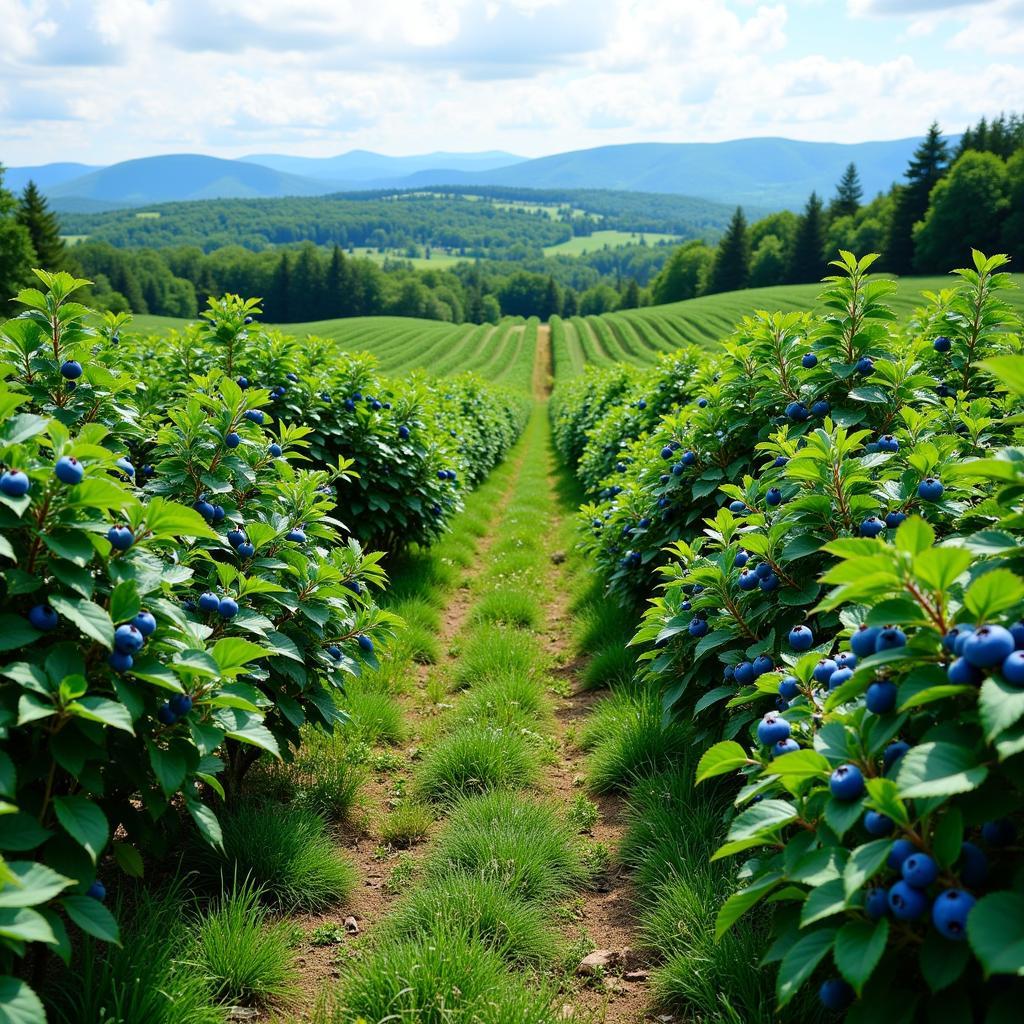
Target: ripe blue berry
(988,646)
(667,453)
(809,361)
(43,618)
(774,496)
(789,687)
(365,643)
(232,440)
(254,416)
(181,704)
(69,470)
(1013,669)
(165,715)
(296,535)
(930,489)
(741,559)
(835,994)
(906,902)
(864,640)
(949,913)
(797,412)
(697,627)
(840,676)
(876,906)
(14,483)
(205,509)
(403,432)
(786,746)
(274,449)
(801,638)
(919,870)
(865,366)
(846,660)
(942,344)
(242,382)
(900,851)
(1000,832)
(227,608)
(128,639)
(847,783)
(737,507)
(769,582)
(744,673)
(878,824)
(120,537)
(772,728)
(957,633)
(872,527)
(728,673)
(748,580)
(209,602)
(962,673)
(120,661)
(888,443)
(893,752)
(823,670)
(236,537)
(881,697)
(688,458)
(145,623)
(894,519)
(218,513)
(246,550)
(702,403)
(973,865)
(70,369)
(97,891)
(762,663)
(762,570)
(1017,632)
(820,408)
(780,461)
(335,652)
(889,638)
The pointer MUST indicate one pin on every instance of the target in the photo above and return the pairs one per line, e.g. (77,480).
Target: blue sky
(104,80)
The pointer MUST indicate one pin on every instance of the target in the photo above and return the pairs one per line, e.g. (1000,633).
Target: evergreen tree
(337,286)
(305,286)
(276,306)
(631,296)
(848,194)
(43,228)
(570,303)
(551,304)
(926,167)
(731,269)
(808,262)
(16,254)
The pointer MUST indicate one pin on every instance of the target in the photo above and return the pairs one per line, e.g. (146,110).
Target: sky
(98,82)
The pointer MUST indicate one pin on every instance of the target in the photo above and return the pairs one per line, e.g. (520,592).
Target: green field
(605,239)
(438,260)
(638,336)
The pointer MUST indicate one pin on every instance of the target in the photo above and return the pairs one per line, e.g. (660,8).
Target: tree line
(973,195)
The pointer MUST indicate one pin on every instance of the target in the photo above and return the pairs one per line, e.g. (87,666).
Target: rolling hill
(361,165)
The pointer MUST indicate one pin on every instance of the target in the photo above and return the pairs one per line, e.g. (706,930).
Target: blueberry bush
(184,586)
(829,511)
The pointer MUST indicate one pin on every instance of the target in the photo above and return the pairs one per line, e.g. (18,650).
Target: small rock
(599,960)
(567,1012)
(242,1013)
(351,926)
(635,976)
(557,557)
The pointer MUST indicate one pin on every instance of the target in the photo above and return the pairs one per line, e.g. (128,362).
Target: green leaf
(124,601)
(207,823)
(939,769)
(25,925)
(864,863)
(90,618)
(15,632)
(995,930)
(21,831)
(129,860)
(823,901)
(169,766)
(258,735)
(993,592)
(721,759)
(32,884)
(938,568)
(914,535)
(1008,371)
(859,946)
(104,711)
(18,1003)
(800,764)
(800,961)
(1000,706)
(762,819)
(71,545)
(84,822)
(232,653)
(740,902)
(8,775)
(942,960)
(948,837)
(92,917)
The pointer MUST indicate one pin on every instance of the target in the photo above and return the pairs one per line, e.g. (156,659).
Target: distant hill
(44,175)
(774,173)
(361,165)
(158,179)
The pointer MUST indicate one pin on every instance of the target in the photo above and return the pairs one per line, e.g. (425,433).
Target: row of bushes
(830,506)
(179,592)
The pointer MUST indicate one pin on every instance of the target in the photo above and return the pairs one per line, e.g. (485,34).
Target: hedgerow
(180,595)
(847,627)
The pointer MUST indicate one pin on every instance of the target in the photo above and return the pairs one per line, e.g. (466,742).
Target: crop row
(827,512)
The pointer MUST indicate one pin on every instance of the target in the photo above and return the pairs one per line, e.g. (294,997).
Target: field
(601,239)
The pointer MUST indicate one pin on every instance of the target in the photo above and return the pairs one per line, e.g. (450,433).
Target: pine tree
(277,300)
(809,245)
(731,269)
(16,254)
(631,296)
(552,302)
(43,228)
(570,303)
(926,167)
(848,194)
(337,286)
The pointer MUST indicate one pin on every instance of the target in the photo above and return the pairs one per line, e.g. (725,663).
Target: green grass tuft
(327,774)
(521,844)
(245,953)
(481,909)
(407,824)
(493,651)
(514,701)
(475,759)
(611,666)
(509,606)
(287,852)
(375,716)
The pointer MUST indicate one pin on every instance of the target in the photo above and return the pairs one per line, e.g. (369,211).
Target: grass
(245,954)
(628,739)
(505,702)
(521,844)
(480,909)
(581,244)
(509,606)
(476,759)
(287,852)
(141,980)
(327,775)
(407,824)
(440,980)
(375,716)
(492,651)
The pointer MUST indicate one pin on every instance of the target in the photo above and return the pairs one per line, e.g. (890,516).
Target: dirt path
(543,365)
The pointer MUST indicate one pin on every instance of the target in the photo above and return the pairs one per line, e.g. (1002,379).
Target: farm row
(819,527)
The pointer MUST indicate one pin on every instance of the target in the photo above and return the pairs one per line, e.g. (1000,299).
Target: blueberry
(881,697)
(68,470)
(97,891)
(919,870)
(741,559)
(236,537)
(809,361)
(823,670)
(973,865)
(242,382)
(232,440)
(209,602)
(365,643)
(876,906)
(962,673)
(697,627)
(893,752)
(254,416)
(864,639)
(899,852)
(786,746)
(988,646)
(872,527)
(274,449)
(820,408)
(889,638)
(769,582)
(350,405)
(296,535)
(801,638)
(894,519)
(334,652)
(748,580)
(70,369)
(128,638)
(14,483)
(403,433)
(737,507)
(702,403)
(120,661)
(840,676)
(780,461)
(181,704)
(1000,832)
(957,633)
(930,489)
(227,608)
(942,344)
(771,729)
(1017,632)
(292,377)
(847,783)
(763,663)
(865,366)
(120,537)
(218,513)
(789,687)
(878,824)
(145,623)
(906,902)
(1013,669)
(744,673)
(888,443)
(728,673)
(774,496)
(835,994)
(205,509)
(846,660)
(688,458)
(949,913)
(763,569)
(125,466)
(165,715)
(43,618)
(797,412)
(246,550)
